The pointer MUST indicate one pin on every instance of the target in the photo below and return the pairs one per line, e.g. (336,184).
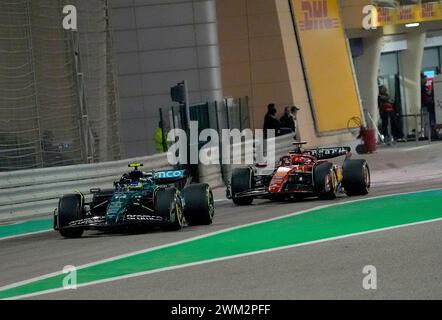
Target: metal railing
(229,113)
(33,193)
(219,175)
(422,128)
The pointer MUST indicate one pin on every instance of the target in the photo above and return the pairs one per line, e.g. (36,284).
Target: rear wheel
(356,177)
(70,208)
(168,205)
(199,207)
(241,181)
(325,181)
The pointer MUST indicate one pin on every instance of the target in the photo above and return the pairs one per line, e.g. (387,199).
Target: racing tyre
(356,177)
(70,208)
(241,181)
(325,181)
(168,204)
(199,207)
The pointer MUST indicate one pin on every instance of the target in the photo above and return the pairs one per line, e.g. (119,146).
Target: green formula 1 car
(164,199)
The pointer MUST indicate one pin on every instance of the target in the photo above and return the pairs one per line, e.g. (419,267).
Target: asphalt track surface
(408,259)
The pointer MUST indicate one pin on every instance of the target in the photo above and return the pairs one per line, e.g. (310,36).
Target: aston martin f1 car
(163,199)
(301,174)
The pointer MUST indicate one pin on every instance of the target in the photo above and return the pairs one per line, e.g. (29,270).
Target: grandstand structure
(58,97)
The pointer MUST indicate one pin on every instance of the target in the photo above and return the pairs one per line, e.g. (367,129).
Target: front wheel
(70,208)
(241,181)
(325,181)
(168,205)
(199,207)
(356,177)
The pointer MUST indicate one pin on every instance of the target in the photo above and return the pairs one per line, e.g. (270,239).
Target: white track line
(225,258)
(26,234)
(16,284)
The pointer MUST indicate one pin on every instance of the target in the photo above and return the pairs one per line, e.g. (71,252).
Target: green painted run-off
(24,228)
(338,220)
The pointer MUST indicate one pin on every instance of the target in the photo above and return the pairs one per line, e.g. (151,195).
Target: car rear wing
(328,153)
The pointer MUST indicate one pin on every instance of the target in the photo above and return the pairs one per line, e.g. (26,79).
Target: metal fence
(35,192)
(58,101)
(419,124)
(230,113)
(415,127)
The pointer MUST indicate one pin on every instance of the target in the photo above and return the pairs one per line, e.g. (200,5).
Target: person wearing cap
(288,120)
(388,113)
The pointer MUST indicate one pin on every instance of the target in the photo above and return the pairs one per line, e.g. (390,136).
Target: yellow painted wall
(329,65)
(260,59)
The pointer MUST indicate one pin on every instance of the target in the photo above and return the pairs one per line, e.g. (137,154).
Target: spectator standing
(287,119)
(388,114)
(159,137)
(427,103)
(271,122)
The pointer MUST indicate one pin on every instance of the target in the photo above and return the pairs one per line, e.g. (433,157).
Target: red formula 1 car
(301,174)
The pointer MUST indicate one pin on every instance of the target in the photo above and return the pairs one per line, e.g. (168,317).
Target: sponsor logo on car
(133,217)
(169,174)
(87,221)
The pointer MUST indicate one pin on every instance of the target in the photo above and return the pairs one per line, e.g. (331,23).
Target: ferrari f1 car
(157,198)
(301,174)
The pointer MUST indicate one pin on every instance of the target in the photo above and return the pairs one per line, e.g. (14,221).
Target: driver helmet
(135,185)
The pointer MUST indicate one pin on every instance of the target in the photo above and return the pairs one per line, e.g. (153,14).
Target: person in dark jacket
(287,120)
(427,104)
(387,112)
(271,122)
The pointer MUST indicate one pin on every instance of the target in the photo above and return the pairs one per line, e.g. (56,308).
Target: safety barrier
(422,128)
(218,175)
(35,192)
